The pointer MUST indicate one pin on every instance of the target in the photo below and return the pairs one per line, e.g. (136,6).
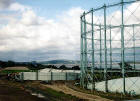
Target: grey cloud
(38,55)
(5,3)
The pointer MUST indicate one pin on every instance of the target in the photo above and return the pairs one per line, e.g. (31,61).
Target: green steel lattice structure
(97,43)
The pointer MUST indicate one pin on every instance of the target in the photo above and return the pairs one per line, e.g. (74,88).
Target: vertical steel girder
(100,47)
(110,49)
(93,59)
(134,45)
(122,47)
(85,44)
(83,51)
(81,56)
(105,52)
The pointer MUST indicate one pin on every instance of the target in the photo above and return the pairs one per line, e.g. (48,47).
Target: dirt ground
(8,93)
(67,90)
(21,91)
(17,91)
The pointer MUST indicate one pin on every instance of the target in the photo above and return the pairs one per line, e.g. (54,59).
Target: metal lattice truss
(110,47)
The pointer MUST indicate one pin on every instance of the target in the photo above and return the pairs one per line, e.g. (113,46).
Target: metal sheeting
(132,85)
(58,70)
(49,76)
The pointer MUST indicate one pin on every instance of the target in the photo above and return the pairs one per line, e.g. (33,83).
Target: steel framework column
(81,56)
(105,52)
(85,50)
(122,48)
(110,48)
(100,47)
(134,46)
(93,59)
(37,75)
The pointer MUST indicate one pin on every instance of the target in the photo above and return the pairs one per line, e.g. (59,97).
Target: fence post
(37,75)
(66,76)
(51,76)
(22,76)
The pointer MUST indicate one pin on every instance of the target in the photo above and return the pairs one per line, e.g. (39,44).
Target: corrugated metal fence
(49,76)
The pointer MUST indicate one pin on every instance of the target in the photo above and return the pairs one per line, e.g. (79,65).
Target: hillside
(60,62)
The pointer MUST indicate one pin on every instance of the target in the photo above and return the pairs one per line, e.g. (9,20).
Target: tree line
(34,65)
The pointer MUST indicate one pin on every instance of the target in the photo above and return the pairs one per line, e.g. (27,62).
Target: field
(16,69)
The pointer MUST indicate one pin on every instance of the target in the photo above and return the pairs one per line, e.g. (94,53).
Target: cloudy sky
(39,30)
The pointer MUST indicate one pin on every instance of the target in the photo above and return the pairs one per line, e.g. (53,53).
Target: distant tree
(10,63)
(63,67)
(2,64)
(53,66)
(76,68)
(7,63)
(126,65)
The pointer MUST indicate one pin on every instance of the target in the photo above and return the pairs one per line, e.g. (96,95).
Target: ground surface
(17,91)
(11,90)
(67,90)
(22,91)
(8,93)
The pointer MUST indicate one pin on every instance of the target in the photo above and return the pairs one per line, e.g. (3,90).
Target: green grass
(59,94)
